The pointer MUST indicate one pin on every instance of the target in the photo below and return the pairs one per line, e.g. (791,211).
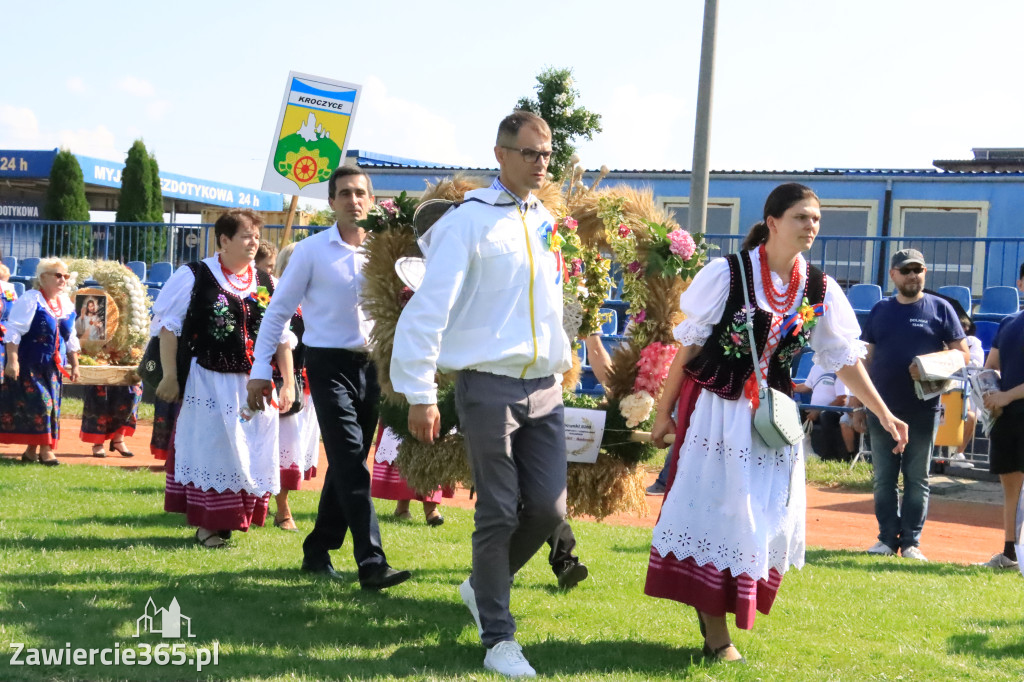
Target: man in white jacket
(490,308)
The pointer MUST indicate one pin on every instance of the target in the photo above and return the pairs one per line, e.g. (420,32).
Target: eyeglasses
(917,270)
(59,275)
(531,155)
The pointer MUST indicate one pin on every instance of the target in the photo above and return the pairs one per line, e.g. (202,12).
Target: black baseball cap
(907,257)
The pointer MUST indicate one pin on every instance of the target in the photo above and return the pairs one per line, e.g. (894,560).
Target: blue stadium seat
(986,330)
(612,325)
(588,384)
(802,365)
(960,293)
(996,303)
(159,274)
(12,264)
(863,297)
(611,342)
(19,289)
(27,267)
(139,268)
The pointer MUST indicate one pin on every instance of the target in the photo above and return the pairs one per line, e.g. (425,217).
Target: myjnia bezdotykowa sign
(311,135)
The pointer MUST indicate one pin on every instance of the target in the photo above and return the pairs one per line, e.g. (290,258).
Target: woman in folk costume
(40,339)
(8,295)
(223,465)
(299,431)
(388,484)
(733,517)
(110,413)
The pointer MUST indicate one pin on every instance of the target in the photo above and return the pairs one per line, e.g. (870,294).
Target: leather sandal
(404,516)
(285,523)
(97,451)
(123,453)
(209,539)
(435,519)
(717,655)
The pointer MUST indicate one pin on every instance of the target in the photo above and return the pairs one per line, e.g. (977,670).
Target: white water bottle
(245,414)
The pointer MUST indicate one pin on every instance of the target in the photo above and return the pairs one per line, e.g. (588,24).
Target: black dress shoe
(325,570)
(384,578)
(573,574)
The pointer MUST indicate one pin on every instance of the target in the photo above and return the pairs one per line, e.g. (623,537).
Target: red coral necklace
(780,303)
(245,280)
(56,309)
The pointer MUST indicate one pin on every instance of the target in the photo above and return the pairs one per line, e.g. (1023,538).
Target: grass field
(82,549)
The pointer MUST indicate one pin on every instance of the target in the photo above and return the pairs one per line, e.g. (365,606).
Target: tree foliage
(66,201)
(556,104)
(140,201)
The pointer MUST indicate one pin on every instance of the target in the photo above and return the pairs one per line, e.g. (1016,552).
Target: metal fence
(177,243)
(976,263)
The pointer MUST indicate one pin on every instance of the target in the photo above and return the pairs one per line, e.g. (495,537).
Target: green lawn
(83,548)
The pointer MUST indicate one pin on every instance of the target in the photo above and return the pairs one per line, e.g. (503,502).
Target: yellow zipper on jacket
(533,323)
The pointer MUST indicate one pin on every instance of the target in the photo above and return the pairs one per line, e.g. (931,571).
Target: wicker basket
(107,375)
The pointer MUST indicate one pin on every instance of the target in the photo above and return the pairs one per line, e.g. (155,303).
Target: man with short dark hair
(899,328)
(324,275)
(490,308)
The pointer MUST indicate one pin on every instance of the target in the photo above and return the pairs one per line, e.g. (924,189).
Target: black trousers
(562,542)
(345,393)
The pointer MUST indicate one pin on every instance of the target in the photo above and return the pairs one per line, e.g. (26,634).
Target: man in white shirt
(834,439)
(324,275)
(490,308)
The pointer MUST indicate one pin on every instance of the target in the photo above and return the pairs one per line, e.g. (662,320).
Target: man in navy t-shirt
(899,328)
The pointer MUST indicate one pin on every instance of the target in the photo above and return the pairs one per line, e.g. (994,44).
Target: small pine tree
(133,203)
(140,201)
(66,201)
(555,103)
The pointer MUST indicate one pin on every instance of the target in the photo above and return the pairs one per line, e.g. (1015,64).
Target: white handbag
(777,417)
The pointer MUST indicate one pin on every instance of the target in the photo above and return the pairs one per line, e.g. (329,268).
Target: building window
(723,214)
(844,247)
(953,255)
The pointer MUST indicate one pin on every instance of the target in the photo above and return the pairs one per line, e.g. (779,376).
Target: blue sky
(799,83)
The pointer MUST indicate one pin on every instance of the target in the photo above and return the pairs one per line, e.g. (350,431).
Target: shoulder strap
(761,381)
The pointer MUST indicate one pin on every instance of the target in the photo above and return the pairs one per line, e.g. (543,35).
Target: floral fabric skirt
(30,406)
(109,412)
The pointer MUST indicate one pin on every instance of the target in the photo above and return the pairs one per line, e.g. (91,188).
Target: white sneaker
(469,599)
(881,549)
(913,553)
(507,658)
(999,561)
(959,461)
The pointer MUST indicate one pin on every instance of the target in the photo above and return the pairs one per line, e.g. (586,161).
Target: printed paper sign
(584,430)
(311,135)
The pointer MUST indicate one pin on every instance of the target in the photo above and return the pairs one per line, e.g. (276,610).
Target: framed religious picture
(95,318)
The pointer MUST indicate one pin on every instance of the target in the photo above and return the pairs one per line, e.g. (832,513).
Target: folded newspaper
(939,372)
(982,381)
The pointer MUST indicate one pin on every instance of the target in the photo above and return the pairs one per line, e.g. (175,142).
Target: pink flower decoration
(640,316)
(681,244)
(634,267)
(570,223)
(623,230)
(389,207)
(652,369)
(576,267)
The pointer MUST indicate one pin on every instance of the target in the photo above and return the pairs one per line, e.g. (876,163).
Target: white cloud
(19,126)
(76,85)
(391,125)
(19,129)
(136,86)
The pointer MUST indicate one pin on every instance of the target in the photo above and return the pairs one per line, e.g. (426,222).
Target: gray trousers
(515,440)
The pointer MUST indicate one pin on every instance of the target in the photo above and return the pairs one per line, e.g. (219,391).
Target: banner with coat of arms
(311,136)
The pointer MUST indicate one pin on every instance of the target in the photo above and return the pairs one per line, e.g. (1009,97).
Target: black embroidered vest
(724,363)
(221,326)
